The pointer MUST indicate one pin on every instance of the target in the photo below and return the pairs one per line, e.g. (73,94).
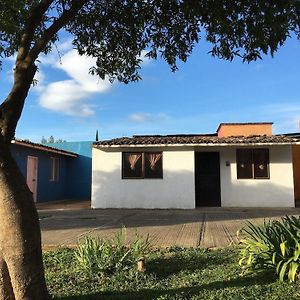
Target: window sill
(138,178)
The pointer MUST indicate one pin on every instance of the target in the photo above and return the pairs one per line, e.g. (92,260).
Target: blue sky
(70,104)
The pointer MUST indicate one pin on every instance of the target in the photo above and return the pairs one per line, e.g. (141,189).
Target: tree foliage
(117,31)
(51,140)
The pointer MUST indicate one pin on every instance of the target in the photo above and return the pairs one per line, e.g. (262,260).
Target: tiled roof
(195,140)
(294,135)
(43,147)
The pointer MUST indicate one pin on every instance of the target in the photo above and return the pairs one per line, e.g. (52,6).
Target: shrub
(108,256)
(275,246)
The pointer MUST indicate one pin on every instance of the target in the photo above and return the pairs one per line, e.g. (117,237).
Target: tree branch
(25,69)
(49,33)
(32,23)
(11,108)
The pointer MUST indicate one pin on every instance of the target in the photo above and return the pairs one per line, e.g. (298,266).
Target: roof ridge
(174,135)
(39,145)
(196,139)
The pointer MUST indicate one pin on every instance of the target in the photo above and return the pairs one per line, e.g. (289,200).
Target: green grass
(174,273)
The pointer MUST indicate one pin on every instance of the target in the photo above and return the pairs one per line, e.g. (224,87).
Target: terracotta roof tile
(194,140)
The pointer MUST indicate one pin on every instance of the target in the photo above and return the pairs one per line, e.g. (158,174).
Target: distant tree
(51,139)
(116,33)
(97,136)
(43,140)
(60,141)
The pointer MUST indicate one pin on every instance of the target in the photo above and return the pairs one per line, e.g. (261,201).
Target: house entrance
(296,171)
(32,168)
(207,179)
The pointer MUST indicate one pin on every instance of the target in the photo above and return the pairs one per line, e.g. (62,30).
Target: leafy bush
(108,256)
(275,246)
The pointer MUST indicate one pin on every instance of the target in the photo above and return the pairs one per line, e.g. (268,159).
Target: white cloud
(287,115)
(140,117)
(77,67)
(145,59)
(39,81)
(58,50)
(66,97)
(70,96)
(283,108)
(49,59)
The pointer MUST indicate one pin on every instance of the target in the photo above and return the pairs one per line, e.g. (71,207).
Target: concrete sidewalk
(67,204)
(207,227)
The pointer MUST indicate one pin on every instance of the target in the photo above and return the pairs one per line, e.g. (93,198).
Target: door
(296,171)
(32,171)
(207,179)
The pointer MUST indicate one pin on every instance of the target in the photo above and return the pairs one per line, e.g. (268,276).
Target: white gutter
(196,145)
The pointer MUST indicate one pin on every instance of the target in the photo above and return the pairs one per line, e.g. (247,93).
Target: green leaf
(292,271)
(274,258)
(283,248)
(282,271)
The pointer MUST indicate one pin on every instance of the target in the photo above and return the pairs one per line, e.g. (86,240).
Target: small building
(79,170)
(296,167)
(55,171)
(242,165)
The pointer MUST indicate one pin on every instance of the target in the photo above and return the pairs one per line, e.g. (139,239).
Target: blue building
(79,170)
(55,171)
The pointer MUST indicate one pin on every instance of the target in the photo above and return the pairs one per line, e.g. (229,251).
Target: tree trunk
(6,291)
(20,239)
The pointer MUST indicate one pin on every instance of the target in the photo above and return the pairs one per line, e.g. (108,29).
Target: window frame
(267,164)
(123,165)
(54,169)
(253,173)
(143,164)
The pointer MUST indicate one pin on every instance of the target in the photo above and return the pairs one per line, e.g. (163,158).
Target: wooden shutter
(244,163)
(261,163)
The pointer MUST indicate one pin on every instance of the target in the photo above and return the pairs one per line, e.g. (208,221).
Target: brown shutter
(244,163)
(261,163)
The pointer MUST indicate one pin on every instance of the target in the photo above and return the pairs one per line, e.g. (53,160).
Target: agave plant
(275,245)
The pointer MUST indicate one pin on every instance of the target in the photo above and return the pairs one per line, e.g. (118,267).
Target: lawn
(174,273)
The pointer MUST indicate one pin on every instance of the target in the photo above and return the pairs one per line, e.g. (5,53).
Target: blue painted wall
(46,190)
(79,170)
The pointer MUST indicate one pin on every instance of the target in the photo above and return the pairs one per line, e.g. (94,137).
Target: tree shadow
(187,292)
(181,262)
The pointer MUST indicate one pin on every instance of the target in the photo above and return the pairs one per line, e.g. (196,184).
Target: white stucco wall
(278,191)
(175,190)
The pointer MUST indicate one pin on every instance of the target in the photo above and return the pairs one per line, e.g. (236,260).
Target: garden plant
(274,246)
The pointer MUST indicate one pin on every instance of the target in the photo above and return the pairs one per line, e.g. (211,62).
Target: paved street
(213,227)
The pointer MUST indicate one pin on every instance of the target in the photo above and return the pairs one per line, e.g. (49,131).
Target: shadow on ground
(182,263)
(113,218)
(186,292)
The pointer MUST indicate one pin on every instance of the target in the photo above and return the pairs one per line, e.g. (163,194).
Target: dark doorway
(296,171)
(207,179)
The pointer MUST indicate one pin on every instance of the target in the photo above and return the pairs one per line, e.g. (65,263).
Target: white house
(242,165)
